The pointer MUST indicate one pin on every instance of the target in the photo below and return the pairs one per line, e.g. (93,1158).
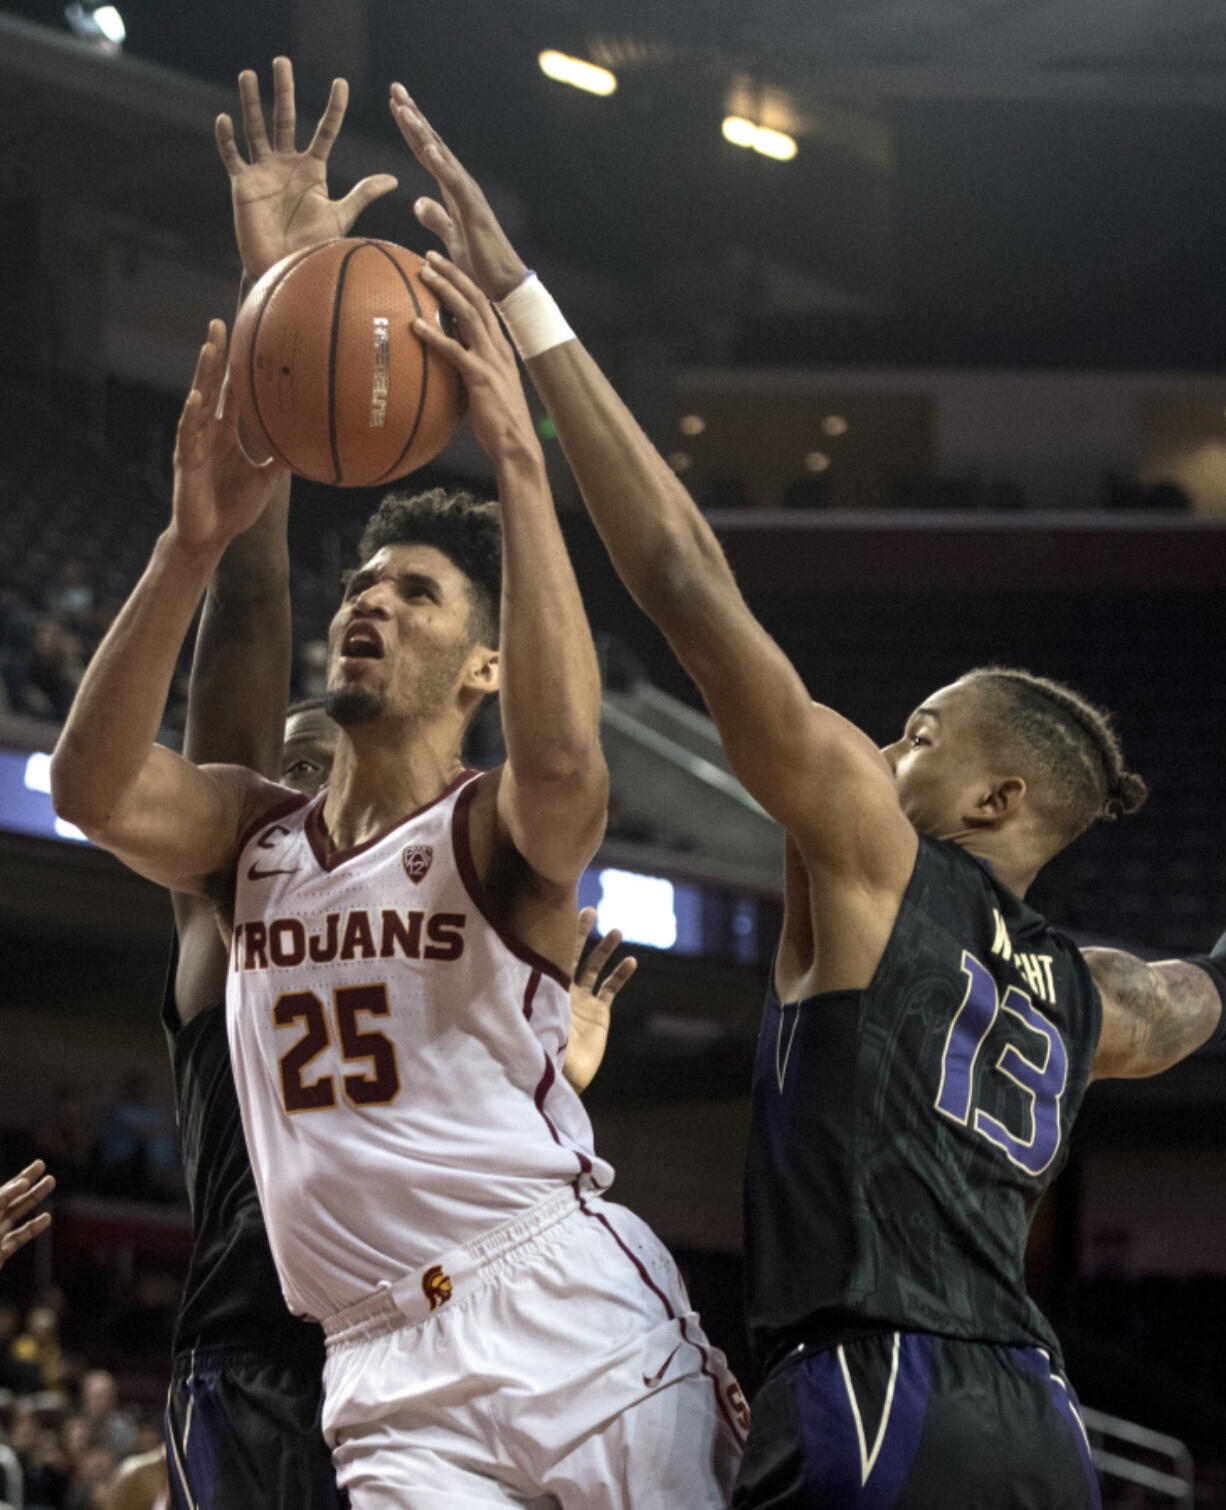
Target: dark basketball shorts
(242,1433)
(910,1421)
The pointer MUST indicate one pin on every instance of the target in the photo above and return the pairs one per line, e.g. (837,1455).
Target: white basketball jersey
(398,1056)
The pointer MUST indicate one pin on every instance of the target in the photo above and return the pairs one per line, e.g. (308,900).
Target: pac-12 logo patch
(436,1286)
(416,860)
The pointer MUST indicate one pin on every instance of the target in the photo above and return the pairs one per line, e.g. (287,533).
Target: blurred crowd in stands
(65,1427)
(126,1148)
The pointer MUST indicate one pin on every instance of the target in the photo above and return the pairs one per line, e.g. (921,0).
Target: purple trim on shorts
(832,1461)
(485,904)
(1066,1402)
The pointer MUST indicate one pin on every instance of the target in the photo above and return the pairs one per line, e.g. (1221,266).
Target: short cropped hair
(467,530)
(1065,745)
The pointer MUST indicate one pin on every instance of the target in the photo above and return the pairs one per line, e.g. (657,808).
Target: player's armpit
(1154,1015)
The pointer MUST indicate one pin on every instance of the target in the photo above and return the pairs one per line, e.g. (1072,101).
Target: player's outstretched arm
(813,771)
(281,205)
(174,822)
(591,1000)
(18,1197)
(236,698)
(1154,1015)
(553,793)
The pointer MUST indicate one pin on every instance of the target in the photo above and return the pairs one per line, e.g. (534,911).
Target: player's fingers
(617,978)
(434,336)
(435,218)
(213,372)
(465,305)
(602,949)
(284,110)
(363,194)
(330,121)
(15,1210)
(231,157)
(23,1178)
(253,114)
(481,307)
(585,922)
(12,1241)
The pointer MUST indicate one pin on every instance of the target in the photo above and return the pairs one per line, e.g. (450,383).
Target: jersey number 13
(1041,1079)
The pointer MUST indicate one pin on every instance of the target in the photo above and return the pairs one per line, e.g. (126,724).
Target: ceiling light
(692,424)
(99,25)
(577,72)
(770,143)
(776,144)
(680,461)
(834,424)
(816,461)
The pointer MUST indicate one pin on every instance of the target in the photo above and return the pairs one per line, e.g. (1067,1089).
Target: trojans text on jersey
(358,934)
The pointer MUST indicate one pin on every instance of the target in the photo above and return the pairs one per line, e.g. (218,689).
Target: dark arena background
(946,373)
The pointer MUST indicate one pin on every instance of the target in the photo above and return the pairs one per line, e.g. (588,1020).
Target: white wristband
(532,318)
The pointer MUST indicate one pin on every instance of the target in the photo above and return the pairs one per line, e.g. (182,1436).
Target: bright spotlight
(691,424)
(770,143)
(577,72)
(99,25)
(739,131)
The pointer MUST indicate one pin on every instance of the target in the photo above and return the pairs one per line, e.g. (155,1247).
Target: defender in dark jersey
(929,1038)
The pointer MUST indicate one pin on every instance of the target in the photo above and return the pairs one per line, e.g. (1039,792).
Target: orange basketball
(328,372)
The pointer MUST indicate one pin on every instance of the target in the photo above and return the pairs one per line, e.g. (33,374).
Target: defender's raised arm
(846,813)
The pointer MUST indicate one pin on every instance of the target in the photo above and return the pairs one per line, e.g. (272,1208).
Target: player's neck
(380,776)
(1015,872)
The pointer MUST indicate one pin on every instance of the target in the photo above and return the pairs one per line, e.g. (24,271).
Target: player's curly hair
(467,530)
(1066,743)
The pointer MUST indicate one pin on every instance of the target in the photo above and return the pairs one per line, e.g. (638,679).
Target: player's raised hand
(591,1003)
(18,1197)
(497,408)
(464,221)
(280,195)
(219,492)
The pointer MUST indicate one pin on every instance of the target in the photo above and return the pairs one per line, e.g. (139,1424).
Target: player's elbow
(75,794)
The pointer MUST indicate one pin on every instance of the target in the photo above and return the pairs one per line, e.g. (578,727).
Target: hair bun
(1129,793)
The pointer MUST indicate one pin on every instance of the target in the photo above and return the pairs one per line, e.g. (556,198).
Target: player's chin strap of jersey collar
(1214,966)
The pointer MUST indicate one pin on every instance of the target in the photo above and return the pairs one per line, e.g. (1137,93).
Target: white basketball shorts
(554,1364)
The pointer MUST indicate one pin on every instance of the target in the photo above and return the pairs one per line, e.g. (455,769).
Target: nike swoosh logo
(259,875)
(656,1377)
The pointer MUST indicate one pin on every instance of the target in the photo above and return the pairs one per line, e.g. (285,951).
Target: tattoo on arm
(1153,1015)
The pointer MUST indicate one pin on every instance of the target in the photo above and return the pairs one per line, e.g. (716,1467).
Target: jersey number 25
(376,1087)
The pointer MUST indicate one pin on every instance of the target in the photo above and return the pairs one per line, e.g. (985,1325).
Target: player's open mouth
(361,643)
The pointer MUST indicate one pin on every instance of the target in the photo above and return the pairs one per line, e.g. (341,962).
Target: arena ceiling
(656,221)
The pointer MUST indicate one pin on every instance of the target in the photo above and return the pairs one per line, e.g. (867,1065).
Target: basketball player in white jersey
(498,1334)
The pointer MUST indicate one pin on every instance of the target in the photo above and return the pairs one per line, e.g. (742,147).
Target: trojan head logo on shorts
(416,860)
(436,1286)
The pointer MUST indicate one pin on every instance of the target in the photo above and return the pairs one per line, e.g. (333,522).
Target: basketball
(328,372)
